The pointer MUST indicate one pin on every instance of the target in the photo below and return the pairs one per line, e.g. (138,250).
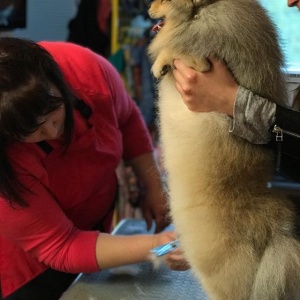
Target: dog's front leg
(162,63)
(199,64)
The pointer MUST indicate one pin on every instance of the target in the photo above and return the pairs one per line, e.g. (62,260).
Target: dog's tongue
(158,26)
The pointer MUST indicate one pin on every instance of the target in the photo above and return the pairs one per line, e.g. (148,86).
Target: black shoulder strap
(85,111)
(45,147)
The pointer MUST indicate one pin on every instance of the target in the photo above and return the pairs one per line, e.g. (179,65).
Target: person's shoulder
(67,49)
(77,59)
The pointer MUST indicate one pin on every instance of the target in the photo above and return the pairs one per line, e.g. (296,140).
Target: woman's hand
(154,204)
(213,90)
(119,250)
(155,207)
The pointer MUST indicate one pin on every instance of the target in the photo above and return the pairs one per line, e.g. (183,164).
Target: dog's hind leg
(278,275)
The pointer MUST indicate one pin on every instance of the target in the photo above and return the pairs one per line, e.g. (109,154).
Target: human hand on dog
(213,90)
(154,201)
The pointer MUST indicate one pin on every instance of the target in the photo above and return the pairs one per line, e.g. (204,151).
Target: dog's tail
(278,275)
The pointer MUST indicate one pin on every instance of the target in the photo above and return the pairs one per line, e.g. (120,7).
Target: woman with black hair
(65,123)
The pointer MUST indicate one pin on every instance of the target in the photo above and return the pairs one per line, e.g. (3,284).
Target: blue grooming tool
(164,249)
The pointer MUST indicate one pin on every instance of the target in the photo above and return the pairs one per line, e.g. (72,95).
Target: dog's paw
(158,72)
(202,65)
(157,261)
(165,70)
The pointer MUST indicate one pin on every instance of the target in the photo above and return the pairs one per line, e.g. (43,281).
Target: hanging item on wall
(134,7)
(12,14)
(91,26)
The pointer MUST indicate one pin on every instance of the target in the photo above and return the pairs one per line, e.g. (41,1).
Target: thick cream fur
(237,236)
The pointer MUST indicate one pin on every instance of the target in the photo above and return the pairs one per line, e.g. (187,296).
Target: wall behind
(47,20)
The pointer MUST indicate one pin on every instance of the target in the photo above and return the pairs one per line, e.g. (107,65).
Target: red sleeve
(43,231)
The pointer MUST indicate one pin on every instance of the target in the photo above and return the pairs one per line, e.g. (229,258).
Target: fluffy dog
(237,235)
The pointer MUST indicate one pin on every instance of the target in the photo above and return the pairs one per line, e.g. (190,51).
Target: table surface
(136,282)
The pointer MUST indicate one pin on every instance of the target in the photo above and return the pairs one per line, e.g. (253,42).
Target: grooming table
(143,282)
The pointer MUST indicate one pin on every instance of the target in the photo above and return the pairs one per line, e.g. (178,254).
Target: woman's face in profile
(51,125)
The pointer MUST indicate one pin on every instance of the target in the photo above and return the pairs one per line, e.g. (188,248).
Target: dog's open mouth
(158,26)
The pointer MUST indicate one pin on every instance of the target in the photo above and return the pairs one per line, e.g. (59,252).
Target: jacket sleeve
(253,116)
(254,120)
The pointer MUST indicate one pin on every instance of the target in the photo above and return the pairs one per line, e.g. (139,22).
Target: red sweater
(71,192)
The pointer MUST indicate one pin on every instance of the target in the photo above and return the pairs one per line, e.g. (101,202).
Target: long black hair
(26,72)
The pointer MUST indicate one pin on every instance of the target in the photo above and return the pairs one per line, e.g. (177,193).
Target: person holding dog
(65,123)
(253,117)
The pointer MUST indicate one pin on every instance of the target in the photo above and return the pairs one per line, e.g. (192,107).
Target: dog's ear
(196,7)
(203,3)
